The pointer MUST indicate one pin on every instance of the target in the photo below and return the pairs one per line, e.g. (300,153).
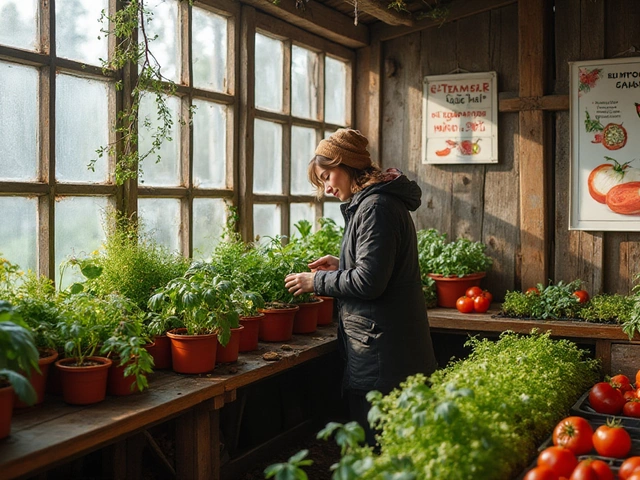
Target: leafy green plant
(555,301)
(311,246)
(290,470)
(608,308)
(457,258)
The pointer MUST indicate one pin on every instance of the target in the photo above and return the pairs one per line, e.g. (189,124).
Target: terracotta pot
(39,380)
(192,353)
(54,380)
(250,333)
(306,319)
(84,385)
(229,353)
(277,323)
(117,383)
(449,289)
(6,410)
(160,350)
(325,312)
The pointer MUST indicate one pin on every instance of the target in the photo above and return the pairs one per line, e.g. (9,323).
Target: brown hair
(360,178)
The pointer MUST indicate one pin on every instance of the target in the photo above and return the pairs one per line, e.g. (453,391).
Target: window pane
(208,223)
(79,231)
(303,145)
(161,220)
(304,83)
(269,68)
(82,126)
(266,221)
(18,122)
(209,144)
(209,40)
(300,211)
(332,211)
(267,157)
(164,37)
(335,95)
(78,35)
(19,24)
(19,233)
(166,170)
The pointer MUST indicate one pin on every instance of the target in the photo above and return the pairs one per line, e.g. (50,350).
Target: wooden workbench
(54,433)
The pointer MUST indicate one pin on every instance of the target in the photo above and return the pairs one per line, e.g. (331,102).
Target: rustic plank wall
(481,202)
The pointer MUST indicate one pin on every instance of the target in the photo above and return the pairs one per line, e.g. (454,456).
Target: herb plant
(457,258)
(326,241)
(608,308)
(555,301)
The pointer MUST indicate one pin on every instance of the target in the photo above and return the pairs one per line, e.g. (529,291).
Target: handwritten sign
(605,141)
(460,118)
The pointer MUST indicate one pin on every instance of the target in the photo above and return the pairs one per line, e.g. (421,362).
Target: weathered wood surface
(625,359)
(54,432)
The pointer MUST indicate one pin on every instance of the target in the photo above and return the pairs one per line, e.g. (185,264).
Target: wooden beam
(382,12)
(318,19)
(368,94)
(457,9)
(550,103)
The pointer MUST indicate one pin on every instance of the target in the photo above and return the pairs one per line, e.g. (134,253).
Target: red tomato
(606,176)
(464,304)
(638,378)
(592,469)
(532,291)
(559,459)
(583,296)
(629,466)
(541,473)
(473,292)
(574,433)
(629,395)
(621,382)
(612,441)
(487,294)
(634,476)
(481,304)
(632,408)
(606,399)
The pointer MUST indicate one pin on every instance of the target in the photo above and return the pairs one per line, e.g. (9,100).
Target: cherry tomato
(606,399)
(541,472)
(629,466)
(574,433)
(583,296)
(591,469)
(532,291)
(487,294)
(559,459)
(629,395)
(473,292)
(464,304)
(621,382)
(632,408)
(612,441)
(481,304)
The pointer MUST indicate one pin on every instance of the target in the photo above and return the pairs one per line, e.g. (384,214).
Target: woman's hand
(328,262)
(299,283)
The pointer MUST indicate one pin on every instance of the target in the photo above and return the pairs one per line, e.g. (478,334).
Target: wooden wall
(483,202)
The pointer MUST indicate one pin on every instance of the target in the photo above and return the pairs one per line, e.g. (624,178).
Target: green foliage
(290,470)
(311,246)
(554,301)
(481,417)
(608,308)
(631,326)
(457,258)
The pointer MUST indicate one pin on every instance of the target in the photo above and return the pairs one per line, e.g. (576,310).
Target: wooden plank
(625,359)
(551,103)
(458,9)
(367,98)
(318,19)
(382,12)
(603,353)
(185,445)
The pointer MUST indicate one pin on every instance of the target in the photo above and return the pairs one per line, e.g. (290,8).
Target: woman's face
(337,182)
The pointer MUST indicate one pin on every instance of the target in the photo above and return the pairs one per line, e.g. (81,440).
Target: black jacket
(384,331)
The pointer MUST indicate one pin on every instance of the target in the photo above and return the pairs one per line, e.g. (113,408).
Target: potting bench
(54,433)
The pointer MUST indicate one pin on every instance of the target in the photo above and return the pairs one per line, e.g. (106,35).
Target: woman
(383,328)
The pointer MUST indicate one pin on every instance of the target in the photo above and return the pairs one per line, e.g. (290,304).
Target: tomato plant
(464,304)
(612,440)
(606,399)
(583,296)
(559,459)
(473,292)
(541,472)
(481,304)
(592,469)
(574,433)
(629,466)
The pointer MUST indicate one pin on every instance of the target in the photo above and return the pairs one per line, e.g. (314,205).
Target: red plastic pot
(117,383)
(6,410)
(192,353)
(306,318)
(160,350)
(449,289)
(229,353)
(325,312)
(85,384)
(39,380)
(277,323)
(249,335)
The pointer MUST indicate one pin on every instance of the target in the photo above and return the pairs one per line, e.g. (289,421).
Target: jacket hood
(399,186)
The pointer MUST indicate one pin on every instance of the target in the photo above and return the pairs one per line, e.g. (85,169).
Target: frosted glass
(209,144)
(18,122)
(304,83)
(266,222)
(19,23)
(82,126)
(267,157)
(303,145)
(300,211)
(164,37)
(161,220)
(78,231)
(268,72)
(18,234)
(209,40)
(209,216)
(332,211)
(335,95)
(78,35)
(166,171)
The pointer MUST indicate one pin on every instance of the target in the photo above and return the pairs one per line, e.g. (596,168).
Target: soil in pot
(39,380)
(250,333)
(192,353)
(84,384)
(229,353)
(277,323)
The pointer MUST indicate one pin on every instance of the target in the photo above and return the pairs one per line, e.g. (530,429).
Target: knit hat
(347,146)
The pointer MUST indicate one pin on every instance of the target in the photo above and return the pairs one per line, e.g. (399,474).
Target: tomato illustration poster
(605,145)
(460,118)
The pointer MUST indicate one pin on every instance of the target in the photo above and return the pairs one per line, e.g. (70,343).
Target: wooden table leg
(603,353)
